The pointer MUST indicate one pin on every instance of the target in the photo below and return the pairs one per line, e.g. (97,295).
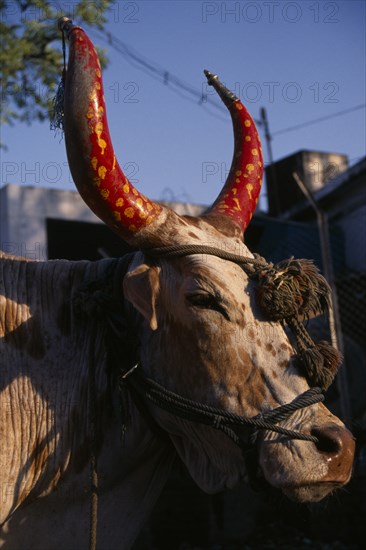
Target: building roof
(329,192)
(332,185)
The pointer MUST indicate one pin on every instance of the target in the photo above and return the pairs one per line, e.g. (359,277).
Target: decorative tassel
(321,362)
(57,114)
(292,288)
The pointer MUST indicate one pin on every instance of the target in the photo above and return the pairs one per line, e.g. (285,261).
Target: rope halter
(220,419)
(285,292)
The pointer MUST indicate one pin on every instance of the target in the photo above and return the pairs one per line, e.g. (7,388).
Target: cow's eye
(205,300)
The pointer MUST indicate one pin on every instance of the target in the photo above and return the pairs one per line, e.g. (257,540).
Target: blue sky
(300,60)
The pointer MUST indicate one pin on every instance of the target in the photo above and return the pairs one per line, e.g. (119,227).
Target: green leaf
(31,54)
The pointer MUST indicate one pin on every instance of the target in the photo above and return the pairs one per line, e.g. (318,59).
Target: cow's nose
(338,445)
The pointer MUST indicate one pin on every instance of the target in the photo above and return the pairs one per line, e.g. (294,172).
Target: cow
(179,317)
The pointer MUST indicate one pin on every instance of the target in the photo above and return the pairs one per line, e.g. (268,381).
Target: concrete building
(343,199)
(43,224)
(315,168)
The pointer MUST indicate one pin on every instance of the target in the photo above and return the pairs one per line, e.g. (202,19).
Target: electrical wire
(175,84)
(168,78)
(185,90)
(317,120)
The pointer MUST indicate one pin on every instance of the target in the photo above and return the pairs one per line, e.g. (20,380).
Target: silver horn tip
(210,77)
(64,23)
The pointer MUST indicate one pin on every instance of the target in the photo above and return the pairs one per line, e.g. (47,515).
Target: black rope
(303,339)
(64,50)
(93,524)
(177,251)
(95,299)
(219,418)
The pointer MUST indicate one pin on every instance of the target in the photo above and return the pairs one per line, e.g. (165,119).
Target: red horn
(239,196)
(95,170)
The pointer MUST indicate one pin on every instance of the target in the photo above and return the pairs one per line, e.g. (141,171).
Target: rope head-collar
(299,290)
(221,419)
(242,430)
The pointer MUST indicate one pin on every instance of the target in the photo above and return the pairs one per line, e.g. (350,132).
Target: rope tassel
(57,114)
(321,362)
(292,288)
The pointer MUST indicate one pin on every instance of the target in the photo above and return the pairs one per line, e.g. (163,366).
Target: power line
(176,84)
(159,73)
(316,120)
(185,90)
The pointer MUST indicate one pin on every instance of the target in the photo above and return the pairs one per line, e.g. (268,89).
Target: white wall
(24,211)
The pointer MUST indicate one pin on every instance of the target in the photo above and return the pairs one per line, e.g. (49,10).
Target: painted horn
(239,196)
(94,168)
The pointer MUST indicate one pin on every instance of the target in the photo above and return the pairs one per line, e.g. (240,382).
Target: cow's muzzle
(337,444)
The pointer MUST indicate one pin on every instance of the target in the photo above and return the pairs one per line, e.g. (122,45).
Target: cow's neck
(50,346)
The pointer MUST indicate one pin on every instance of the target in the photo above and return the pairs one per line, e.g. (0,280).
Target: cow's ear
(141,288)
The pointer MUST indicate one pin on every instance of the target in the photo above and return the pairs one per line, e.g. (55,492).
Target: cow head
(201,332)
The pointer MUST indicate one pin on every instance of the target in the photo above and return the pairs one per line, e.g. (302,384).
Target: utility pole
(334,317)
